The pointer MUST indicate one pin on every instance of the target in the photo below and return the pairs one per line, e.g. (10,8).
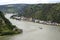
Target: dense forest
(45,12)
(6,28)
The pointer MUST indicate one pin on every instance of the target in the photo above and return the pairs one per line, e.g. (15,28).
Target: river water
(32,31)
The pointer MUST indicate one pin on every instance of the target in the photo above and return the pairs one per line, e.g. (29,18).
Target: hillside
(12,8)
(6,28)
(45,12)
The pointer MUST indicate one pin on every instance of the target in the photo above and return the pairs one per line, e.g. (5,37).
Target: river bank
(34,20)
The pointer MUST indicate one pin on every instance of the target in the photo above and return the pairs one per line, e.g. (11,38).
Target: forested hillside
(12,8)
(46,12)
(6,28)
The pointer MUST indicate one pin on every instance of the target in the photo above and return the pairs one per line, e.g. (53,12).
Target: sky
(3,2)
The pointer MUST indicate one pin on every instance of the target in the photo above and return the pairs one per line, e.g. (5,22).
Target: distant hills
(12,8)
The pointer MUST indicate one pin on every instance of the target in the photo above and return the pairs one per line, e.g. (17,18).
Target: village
(34,20)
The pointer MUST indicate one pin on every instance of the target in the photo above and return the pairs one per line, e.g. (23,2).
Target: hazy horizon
(4,2)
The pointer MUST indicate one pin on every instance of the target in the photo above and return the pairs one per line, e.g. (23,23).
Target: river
(32,31)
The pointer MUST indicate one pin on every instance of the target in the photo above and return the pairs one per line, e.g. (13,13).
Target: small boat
(41,28)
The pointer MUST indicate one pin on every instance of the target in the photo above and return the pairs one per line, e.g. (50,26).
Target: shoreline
(36,21)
